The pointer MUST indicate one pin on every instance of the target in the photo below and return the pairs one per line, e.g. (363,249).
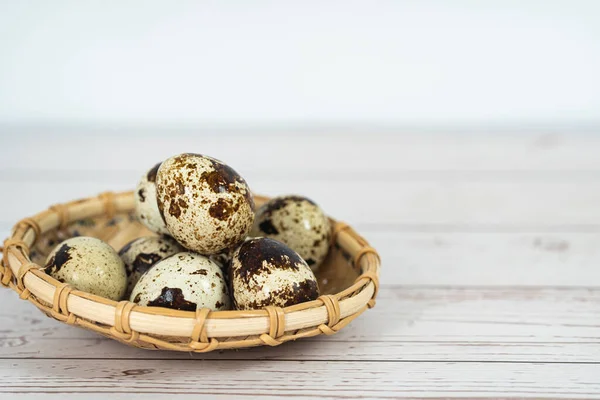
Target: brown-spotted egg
(299,223)
(206,205)
(264,272)
(142,253)
(146,207)
(184,281)
(90,265)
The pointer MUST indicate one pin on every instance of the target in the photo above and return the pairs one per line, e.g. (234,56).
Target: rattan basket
(348,281)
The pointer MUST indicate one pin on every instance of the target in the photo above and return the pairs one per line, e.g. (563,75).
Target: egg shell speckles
(264,272)
(142,253)
(184,281)
(146,207)
(299,223)
(206,205)
(90,265)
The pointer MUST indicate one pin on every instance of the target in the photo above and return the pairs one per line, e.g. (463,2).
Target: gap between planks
(283,360)
(294,379)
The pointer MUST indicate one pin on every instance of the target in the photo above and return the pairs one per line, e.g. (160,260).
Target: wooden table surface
(490,280)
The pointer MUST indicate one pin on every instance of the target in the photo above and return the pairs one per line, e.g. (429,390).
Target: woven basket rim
(163,328)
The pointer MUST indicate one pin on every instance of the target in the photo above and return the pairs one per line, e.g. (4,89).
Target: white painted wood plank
(328,380)
(489,258)
(300,152)
(437,257)
(408,324)
(537,204)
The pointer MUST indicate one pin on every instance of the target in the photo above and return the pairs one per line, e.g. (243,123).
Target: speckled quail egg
(142,253)
(146,208)
(299,223)
(48,241)
(90,265)
(206,205)
(264,272)
(184,281)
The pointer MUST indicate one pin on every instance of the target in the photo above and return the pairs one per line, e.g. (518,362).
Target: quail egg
(264,272)
(205,204)
(90,265)
(142,253)
(184,281)
(299,223)
(146,208)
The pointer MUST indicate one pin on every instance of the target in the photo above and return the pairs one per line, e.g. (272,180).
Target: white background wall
(261,63)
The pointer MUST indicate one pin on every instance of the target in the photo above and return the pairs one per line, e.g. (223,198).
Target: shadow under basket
(348,281)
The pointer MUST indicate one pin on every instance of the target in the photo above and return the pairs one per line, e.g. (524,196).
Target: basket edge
(133,324)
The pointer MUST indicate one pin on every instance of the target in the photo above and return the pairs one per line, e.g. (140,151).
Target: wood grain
(490,280)
(409,323)
(328,380)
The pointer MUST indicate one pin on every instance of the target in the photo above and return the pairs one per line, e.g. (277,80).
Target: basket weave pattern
(160,328)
